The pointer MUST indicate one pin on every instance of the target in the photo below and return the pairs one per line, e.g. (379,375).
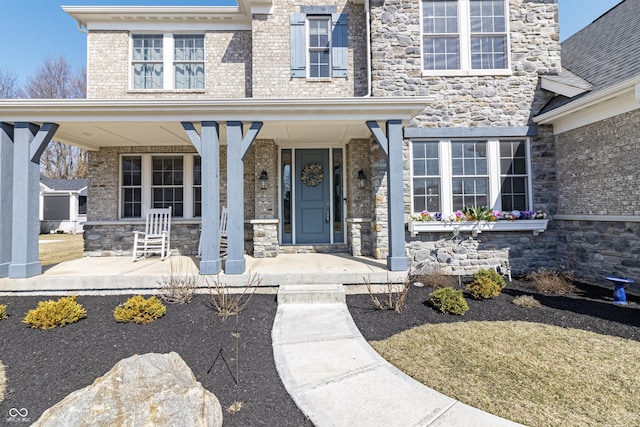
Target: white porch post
(6,196)
(392,146)
(237,147)
(29,143)
(208,146)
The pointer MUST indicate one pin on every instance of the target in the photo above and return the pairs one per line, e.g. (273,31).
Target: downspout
(367,15)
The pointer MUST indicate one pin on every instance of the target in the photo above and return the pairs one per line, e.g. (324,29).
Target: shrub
(395,296)
(139,310)
(3,312)
(552,282)
(434,277)
(227,303)
(448,300)
(50,314)
(484,288)
(527,301)
(491,274)
(180,286)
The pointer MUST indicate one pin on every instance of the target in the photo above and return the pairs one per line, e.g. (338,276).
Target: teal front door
(313,196)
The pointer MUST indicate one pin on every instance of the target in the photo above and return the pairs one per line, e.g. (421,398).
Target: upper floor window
(167,61)
(449,175)
(148,70)
(319,43)
(189,61)
(319,46)
(464,36)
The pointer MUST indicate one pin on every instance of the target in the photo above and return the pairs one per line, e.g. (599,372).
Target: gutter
(367,15)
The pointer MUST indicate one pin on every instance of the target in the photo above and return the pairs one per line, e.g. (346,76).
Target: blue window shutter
(298,45)
(339,45)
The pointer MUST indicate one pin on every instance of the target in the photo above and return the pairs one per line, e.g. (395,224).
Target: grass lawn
(531,373)
(55,248)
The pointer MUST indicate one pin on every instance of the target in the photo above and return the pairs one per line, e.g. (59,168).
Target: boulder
(148,390)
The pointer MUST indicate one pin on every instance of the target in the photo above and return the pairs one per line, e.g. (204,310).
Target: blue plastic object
(619,296)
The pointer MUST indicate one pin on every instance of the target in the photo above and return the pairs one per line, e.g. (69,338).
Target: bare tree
(55,79)
(8,84)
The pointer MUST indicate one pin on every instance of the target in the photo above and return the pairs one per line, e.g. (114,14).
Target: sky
(31,30)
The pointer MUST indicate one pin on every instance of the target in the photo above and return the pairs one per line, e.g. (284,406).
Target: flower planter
(534,225)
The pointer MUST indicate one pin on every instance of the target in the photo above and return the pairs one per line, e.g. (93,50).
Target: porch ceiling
(93,124)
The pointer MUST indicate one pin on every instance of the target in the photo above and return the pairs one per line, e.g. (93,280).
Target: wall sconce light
(362,179)
(263,179)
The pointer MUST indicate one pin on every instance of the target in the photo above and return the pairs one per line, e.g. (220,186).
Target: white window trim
(168,63)
(147,180)
(464,36)
(493,168)
(311,17)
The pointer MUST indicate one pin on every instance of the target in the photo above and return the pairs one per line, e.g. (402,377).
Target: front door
(313,196)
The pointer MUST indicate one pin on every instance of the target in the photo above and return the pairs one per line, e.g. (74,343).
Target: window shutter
(298,45)
(339,41)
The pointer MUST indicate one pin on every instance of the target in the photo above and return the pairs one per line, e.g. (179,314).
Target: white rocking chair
(223,235)
(157,235)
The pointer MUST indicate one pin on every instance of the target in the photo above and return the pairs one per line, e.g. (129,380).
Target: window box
(534,225)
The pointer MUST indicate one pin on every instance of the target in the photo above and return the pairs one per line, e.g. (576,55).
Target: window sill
(465,73)
(134,91)
(534,225)
(319,79)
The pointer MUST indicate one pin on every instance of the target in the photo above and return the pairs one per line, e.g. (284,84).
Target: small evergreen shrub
(527,301)
(50,314)
(448,300)
(484,288)
(139,310)
(3,312)
(491,274)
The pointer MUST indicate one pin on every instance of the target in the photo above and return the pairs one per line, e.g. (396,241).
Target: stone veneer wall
(600,159)
(470,101)
(359,207)
(228,67)
(271,55)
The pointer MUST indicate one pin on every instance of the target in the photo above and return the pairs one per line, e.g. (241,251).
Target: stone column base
(265,238)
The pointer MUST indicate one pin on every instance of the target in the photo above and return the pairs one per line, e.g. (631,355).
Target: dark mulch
(45,366)
(590,308)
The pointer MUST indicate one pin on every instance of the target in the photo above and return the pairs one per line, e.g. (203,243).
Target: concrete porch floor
(116,275)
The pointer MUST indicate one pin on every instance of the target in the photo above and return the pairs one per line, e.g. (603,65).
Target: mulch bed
(591,308)
(45,366)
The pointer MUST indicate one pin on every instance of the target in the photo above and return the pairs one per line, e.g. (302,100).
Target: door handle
(327,218)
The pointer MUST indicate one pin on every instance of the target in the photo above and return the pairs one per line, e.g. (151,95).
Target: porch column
(237,147)
(29,143)
(6,196)
(208,146)
(392,146)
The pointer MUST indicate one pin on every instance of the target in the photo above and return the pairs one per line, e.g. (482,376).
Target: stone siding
(476,101)
(116,239)
(271,55)
(228,67)
(594,250)
(465,255)
(600,159)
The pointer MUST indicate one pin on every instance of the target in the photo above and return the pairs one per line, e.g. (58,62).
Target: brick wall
(271,55)
(228,69)
(601,160)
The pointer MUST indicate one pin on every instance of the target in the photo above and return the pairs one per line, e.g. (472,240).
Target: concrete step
(311,294)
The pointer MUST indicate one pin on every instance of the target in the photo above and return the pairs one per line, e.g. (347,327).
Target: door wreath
(312,175)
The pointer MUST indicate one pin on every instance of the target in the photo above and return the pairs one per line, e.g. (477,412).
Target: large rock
(148,390)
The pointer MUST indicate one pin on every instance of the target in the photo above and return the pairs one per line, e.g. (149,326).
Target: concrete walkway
(337,379)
